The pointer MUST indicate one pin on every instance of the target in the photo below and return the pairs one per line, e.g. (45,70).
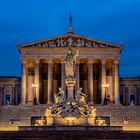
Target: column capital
(1,86)
(94,60)
(13,85)
(78,60)
(126,85)
(24,60)
(103,61)
(116,61)
(36,60)
(62,60)
(90,60)
(50,60)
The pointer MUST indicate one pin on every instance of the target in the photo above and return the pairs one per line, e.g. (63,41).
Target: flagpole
(70,30)
(70,21)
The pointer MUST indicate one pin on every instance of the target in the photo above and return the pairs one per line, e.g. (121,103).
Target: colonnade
(90,80)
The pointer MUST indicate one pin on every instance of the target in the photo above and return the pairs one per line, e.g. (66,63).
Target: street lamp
(35,99)
(105,98)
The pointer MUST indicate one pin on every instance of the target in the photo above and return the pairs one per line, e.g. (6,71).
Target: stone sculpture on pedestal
(71,108)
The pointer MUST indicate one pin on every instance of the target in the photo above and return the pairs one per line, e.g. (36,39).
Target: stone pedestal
(70,89)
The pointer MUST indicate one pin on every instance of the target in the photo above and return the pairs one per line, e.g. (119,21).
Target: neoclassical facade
(88,93)
(43,64)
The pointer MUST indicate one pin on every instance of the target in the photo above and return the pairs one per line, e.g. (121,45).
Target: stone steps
(24,113)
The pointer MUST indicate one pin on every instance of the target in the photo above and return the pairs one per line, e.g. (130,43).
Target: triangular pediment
(73,40)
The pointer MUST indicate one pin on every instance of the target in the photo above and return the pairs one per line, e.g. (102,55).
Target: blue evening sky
(116,21)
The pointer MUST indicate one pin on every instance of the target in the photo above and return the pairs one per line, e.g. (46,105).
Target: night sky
(116,21)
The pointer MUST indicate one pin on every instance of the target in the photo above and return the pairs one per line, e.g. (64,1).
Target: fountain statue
(69,64)
(70,73)
(71,107)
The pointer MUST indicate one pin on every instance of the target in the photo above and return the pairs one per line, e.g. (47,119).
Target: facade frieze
(71,40)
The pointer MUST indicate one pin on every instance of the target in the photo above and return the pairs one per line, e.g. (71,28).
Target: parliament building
(96,71)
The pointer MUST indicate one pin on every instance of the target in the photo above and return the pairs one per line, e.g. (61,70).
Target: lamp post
(35,99)
(105,98)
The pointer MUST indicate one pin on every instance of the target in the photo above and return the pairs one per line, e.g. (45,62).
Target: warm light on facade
(70,118)
(35,85)
(105,85)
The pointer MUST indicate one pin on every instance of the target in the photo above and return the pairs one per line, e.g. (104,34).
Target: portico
(43,64)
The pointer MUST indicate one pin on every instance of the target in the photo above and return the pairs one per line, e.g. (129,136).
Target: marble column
(37,79)
(138,94)
(30,81)
(63,85)
(90,81)
(109,80)
(103,80)
(24,81)
(77,75)
(50,81)
(124,94)
(116,87)
(1,95)
(136,97)
(13,95)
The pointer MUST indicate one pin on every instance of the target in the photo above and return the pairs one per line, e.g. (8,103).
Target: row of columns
(24,82)
(50,79)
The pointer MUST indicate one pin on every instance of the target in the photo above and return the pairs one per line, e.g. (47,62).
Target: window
(121,99)
(7,99)
(18,99)
(132,98)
